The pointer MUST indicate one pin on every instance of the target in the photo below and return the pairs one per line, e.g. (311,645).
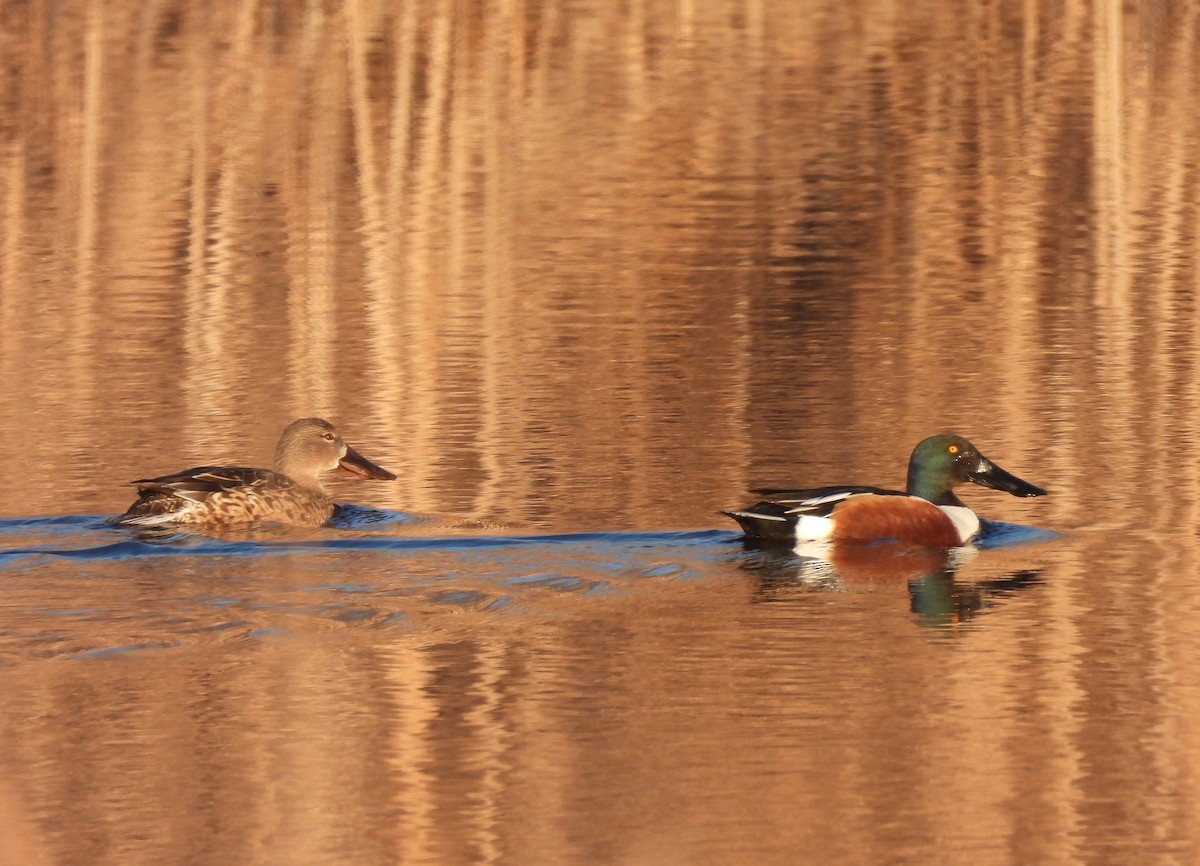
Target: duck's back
(226,495)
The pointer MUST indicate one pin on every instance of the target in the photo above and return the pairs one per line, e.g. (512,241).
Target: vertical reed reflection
(512,246)
(309,188)
(435,215)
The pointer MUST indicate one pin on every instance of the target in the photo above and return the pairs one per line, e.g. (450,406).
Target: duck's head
(941,463)
(311,447)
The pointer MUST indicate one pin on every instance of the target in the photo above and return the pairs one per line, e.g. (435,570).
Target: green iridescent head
(943,462)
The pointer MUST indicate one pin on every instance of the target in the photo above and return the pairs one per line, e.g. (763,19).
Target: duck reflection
(941,600)
(936,594)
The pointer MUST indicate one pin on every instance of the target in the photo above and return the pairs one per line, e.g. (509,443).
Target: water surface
(581,275)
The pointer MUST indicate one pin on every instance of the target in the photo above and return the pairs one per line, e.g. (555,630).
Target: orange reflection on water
(579,267)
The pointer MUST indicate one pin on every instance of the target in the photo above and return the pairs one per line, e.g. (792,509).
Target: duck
(927,513)
(289,493)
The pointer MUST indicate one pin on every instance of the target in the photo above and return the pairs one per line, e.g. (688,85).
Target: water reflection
(83,587)
(945,588)
(592,269)
(942,600)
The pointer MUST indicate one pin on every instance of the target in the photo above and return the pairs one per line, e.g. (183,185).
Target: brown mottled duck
(291,492)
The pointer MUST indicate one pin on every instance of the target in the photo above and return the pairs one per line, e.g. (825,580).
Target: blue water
(994,535)
(57,533)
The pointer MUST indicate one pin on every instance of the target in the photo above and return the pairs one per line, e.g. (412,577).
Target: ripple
(994,534)
(175,544)
(80,588)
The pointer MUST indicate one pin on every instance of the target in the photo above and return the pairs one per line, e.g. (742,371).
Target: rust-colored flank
(904,518)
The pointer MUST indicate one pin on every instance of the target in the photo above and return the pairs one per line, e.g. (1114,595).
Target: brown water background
(580,274)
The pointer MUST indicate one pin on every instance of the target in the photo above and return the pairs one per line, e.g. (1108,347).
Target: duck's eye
(328,437)
(953,449)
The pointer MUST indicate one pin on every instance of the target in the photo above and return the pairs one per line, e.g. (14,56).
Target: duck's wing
(817,501)
(775,518)
(200,483)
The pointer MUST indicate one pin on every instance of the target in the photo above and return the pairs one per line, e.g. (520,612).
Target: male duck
(927,513)
(225,495)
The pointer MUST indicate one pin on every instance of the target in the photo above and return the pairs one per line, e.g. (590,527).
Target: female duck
(927,513)
(291,493)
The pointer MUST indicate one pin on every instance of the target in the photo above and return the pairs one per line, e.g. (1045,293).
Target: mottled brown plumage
(290,493)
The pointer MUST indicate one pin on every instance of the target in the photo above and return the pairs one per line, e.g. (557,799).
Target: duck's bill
(990,475)
(356,464)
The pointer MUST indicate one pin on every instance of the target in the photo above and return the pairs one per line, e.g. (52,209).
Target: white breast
(964,520)
(811,528)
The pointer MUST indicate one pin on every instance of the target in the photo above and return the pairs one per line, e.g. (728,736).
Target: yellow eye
(953,449)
